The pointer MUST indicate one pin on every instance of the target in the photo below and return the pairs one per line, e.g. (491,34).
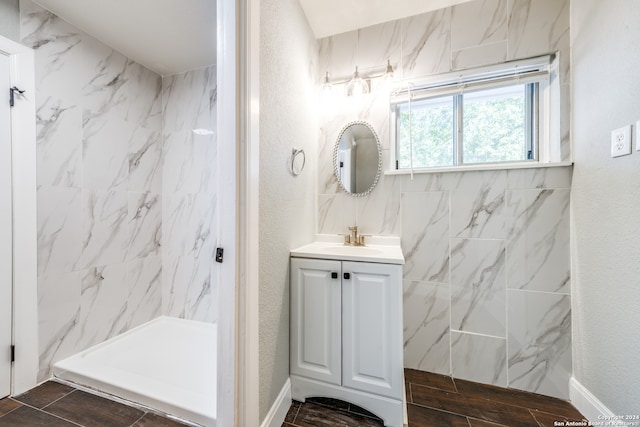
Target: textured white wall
(288,61)
(605,203)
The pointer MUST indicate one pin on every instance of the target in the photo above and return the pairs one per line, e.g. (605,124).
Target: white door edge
(25,296)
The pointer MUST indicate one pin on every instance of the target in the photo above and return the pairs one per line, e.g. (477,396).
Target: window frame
(544,136)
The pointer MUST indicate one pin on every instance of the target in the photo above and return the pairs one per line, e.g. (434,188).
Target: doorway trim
(25,258)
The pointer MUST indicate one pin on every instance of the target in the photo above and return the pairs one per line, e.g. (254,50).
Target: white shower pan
(167,364)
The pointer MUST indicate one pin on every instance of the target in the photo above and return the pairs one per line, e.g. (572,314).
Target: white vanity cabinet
(346,334)
(316,295)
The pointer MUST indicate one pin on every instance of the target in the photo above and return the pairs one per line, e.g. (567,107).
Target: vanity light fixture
(358,85)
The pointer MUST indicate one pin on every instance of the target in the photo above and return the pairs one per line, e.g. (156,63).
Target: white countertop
(381,249)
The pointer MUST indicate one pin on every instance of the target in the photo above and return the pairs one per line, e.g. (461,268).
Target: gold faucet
(353,239)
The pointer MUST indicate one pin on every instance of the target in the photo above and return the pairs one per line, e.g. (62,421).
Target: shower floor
(167,364)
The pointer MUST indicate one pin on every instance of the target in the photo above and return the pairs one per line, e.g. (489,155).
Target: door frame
(238,31)
(25,258)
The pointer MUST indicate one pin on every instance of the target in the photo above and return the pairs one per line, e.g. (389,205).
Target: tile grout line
(455,386)
(448,412)
(49,413)
(141,417)
(10,398)
(534,417)
(293,421)
(58,399)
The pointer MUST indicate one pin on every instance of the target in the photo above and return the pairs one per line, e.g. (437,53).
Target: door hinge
(219,254)
(13,353)
(12,92)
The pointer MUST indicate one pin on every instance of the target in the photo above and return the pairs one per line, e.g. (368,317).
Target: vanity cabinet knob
(334,275)
(347,276)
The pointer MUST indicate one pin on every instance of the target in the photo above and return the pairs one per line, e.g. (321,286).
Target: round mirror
(357,158)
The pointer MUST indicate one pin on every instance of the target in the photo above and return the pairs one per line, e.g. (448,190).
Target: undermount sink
(381,249)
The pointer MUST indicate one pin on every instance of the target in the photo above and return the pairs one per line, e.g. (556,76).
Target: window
(479,118)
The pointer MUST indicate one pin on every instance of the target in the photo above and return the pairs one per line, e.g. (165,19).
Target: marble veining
(59,143)
(187,225)
(540,342)
(478,288)
(479,358)
(538,27)
(103,303)
(328,224)
(427,251)
(526,179)
(58,318)
(338,54)
(377,44)
(426,43)
(145,161)
(189,161)
(478,22)
(327,180)
(426,326)
(187,288)
(477,205)
(105,151)
(59,229)
(145,225)
(57,51)
(144,297)
(539,257)
(383,201)
(104,227)
(117,87)
(478,56)
(187,100)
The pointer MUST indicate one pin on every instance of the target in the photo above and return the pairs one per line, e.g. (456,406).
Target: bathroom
(288,62)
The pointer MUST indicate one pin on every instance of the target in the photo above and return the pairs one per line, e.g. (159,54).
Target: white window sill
(479,167)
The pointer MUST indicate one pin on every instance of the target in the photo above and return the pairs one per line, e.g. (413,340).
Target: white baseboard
(588,405)
(278,412)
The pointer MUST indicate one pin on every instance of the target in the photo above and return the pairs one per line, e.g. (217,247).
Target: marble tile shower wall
(487,273)
(189,195)
(99,157)
(103,246)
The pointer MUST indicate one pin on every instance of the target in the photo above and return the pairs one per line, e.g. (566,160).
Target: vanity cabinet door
(315,319)
(372,328)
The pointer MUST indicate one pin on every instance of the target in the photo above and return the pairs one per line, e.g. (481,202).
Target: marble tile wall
(189,195)
(99,159)
(487,273)
(112,221)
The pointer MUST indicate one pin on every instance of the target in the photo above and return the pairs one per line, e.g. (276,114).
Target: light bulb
(388,74)
(357,85)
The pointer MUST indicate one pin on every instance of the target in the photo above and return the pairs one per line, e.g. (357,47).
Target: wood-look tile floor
(53,404)
(441,401)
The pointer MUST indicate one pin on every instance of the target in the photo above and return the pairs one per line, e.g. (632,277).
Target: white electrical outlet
(621,141)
